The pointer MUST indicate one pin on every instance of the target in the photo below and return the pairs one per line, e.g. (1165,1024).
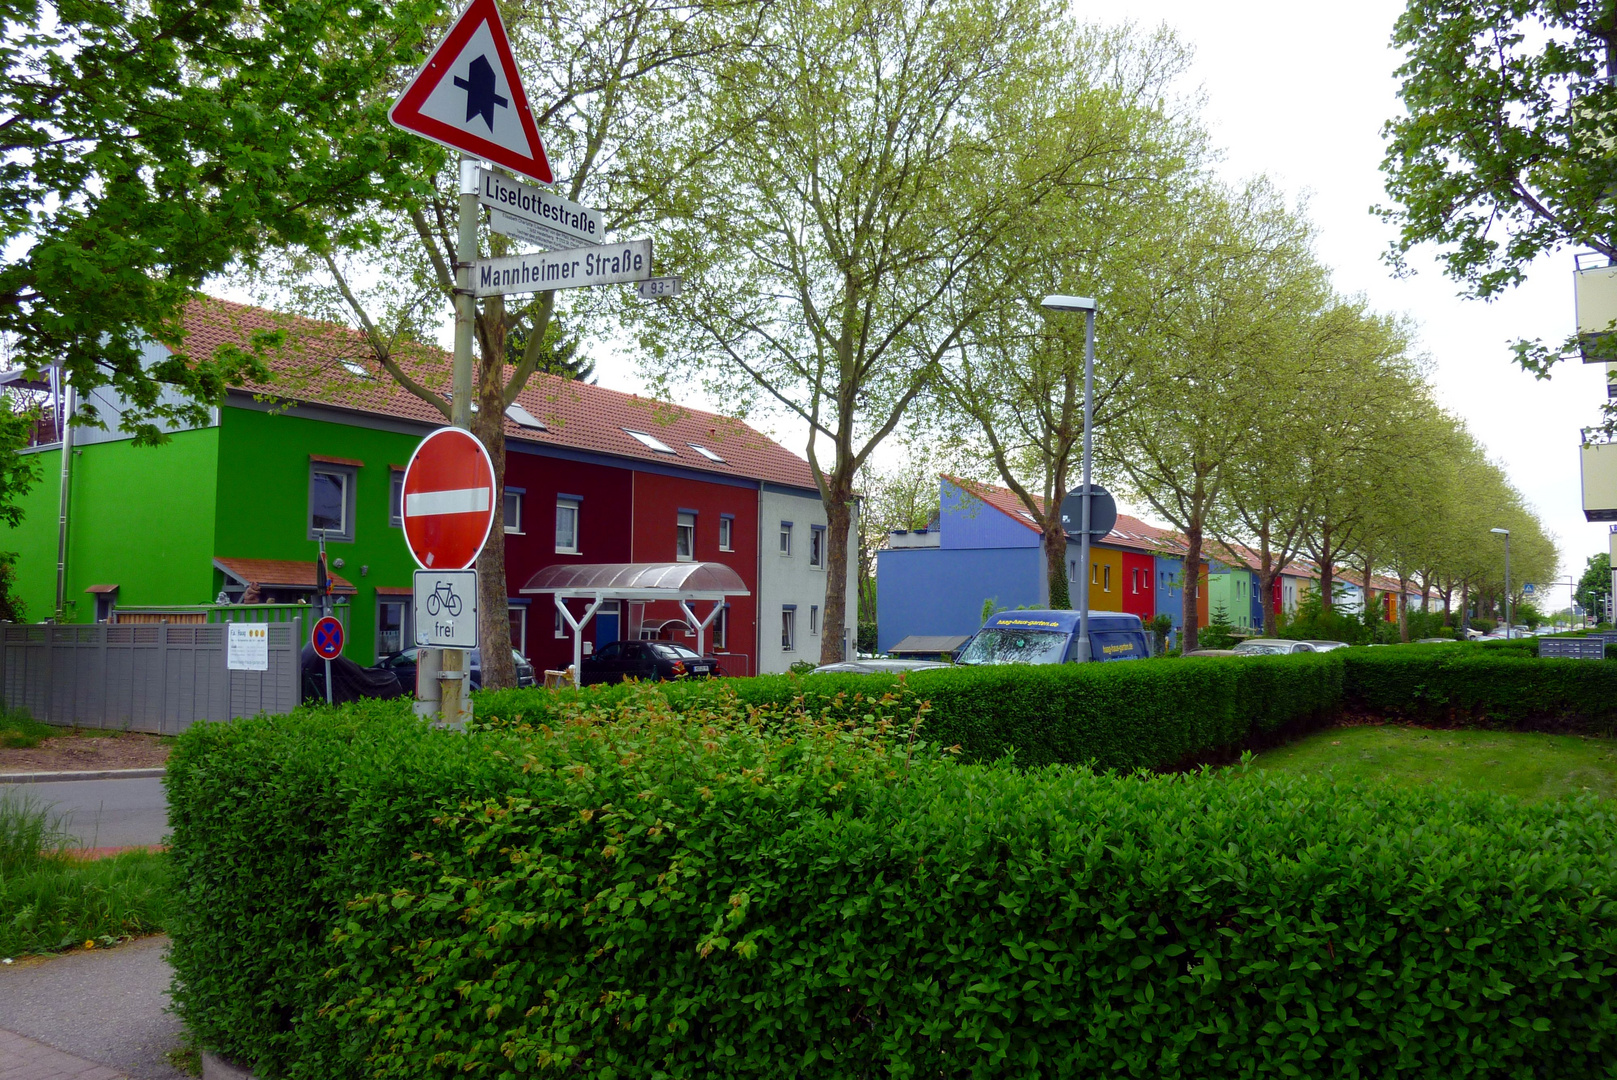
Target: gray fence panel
(156,678)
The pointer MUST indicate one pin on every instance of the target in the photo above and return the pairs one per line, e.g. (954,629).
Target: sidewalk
(95,1015)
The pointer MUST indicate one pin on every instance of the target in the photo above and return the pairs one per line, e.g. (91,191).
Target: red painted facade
(626,515)
(1139,584)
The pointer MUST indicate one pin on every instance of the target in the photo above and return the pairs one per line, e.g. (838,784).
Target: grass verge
(50,901)
(1529,765)
(18,729)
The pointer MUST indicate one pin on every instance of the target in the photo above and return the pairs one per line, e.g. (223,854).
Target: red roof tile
(283,573)
(313,364)
(1128,532)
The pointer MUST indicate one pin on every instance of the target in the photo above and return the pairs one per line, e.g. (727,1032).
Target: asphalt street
(104,813)
(107,1006)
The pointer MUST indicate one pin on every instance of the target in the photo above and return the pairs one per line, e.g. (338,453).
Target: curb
(87,774)
(215,1067)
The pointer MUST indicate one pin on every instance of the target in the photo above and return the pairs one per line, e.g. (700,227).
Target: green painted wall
(263,503)
(140,517)
(1230,589)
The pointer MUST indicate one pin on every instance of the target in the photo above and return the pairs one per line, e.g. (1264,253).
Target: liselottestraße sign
(553,213)
(539,272)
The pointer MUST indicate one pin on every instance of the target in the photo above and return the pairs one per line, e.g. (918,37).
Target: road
(104,813)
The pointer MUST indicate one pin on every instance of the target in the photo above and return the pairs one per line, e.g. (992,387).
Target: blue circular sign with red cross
(327,638)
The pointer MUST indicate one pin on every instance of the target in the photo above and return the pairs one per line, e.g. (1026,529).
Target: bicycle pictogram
(443,598)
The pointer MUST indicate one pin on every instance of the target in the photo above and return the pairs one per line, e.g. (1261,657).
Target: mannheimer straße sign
(571,269)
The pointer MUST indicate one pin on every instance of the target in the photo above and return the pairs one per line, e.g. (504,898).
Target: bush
(1140,714)
(19,730)
(713,894)
(1495,683)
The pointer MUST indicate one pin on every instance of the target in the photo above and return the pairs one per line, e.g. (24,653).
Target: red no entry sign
(327,638)
(448,500)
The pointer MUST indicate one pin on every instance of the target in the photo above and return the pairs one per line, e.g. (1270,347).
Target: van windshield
(1004,645)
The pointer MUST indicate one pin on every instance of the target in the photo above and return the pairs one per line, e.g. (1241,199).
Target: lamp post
(1085,304)
(1506,534)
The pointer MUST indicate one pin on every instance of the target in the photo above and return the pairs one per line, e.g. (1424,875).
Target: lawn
(50,900)
(18,729)
(1526,764)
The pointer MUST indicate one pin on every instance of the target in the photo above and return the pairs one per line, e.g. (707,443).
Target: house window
(519,627)
(512,510)
(1106,579)
(651,442)
(817,546)
(561,624)
(814,620)
(685,537)
(721,629)
(566,526)
(726,532)
(392,623)
(1094,573)
(395,500)
(331,501)
(786,538)
(788,627)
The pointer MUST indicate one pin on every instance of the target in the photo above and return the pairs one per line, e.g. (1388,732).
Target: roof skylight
(651,441)
(705,452)
(524,418)
(353,367)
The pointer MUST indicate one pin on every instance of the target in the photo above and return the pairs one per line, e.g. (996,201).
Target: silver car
(1271,646)
(875,665)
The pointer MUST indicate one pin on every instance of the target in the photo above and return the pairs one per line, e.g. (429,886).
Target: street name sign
(658,287)
(468,97)
(524,212)
(608,264)
(327,638)
(446,609)
(448,500)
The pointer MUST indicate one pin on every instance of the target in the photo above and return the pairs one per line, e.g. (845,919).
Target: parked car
(877,665)
(1051,637)
(1270,646)
(403,664)
(1325,646)
(1212,652)
(646,660)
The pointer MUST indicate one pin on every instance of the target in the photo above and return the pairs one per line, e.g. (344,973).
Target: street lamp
(1085,304)
(1506,534)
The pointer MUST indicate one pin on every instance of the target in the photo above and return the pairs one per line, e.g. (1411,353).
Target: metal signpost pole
(325,600)
(1089,494)
(452,665)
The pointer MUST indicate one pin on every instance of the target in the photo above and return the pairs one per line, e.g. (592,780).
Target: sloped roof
(280,573)
(316,362)
(705,579)
(1128,532)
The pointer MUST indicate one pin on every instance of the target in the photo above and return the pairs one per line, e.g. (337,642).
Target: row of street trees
(866,197)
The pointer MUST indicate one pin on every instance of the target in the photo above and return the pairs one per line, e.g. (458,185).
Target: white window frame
(817,547)
(788,628)
(521,643)
(349,475)
(576,505)
(727,525)
(520,494)
(561,627)
(685,529)
(786,539)
(721,629)
(395,498)
(814,620)
(650,442)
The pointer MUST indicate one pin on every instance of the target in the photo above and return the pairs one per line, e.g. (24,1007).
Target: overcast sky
(1300,92)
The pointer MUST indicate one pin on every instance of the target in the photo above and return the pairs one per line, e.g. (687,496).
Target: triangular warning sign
(469,97)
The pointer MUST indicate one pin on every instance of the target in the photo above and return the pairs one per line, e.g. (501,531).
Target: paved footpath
(105,813)
(98,1015)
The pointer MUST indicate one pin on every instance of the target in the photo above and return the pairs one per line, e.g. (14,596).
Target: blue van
(1051,637)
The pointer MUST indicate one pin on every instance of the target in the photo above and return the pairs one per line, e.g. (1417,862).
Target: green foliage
(18,729)
(740,896)
(153,145)
(1493,683)
(1595,582)
(51,901)
(1120,715)
(1218,633)
(1428,624)
(867,636)
(1160,627)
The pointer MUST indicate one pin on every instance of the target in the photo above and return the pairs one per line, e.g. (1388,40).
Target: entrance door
(606,624)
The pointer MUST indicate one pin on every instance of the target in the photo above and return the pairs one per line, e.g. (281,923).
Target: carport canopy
(684,583)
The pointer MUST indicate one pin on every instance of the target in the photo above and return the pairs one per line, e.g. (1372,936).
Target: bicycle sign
(446,609)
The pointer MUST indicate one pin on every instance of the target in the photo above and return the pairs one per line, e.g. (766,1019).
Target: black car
(403,665)
(645,660)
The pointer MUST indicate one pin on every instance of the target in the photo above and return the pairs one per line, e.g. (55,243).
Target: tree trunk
(1465,607)
(1325,569)
(493,605)
(1370,617)
(1193,577)
(1403,609)
(1266,581)
(838,516)
(1055,563)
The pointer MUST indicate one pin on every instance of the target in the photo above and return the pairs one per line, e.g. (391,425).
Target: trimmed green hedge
(704,894)
(1465,685)
(1141,714)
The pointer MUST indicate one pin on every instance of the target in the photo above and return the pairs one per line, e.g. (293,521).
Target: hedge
(1466,685)
(710,894)
(1141,714)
